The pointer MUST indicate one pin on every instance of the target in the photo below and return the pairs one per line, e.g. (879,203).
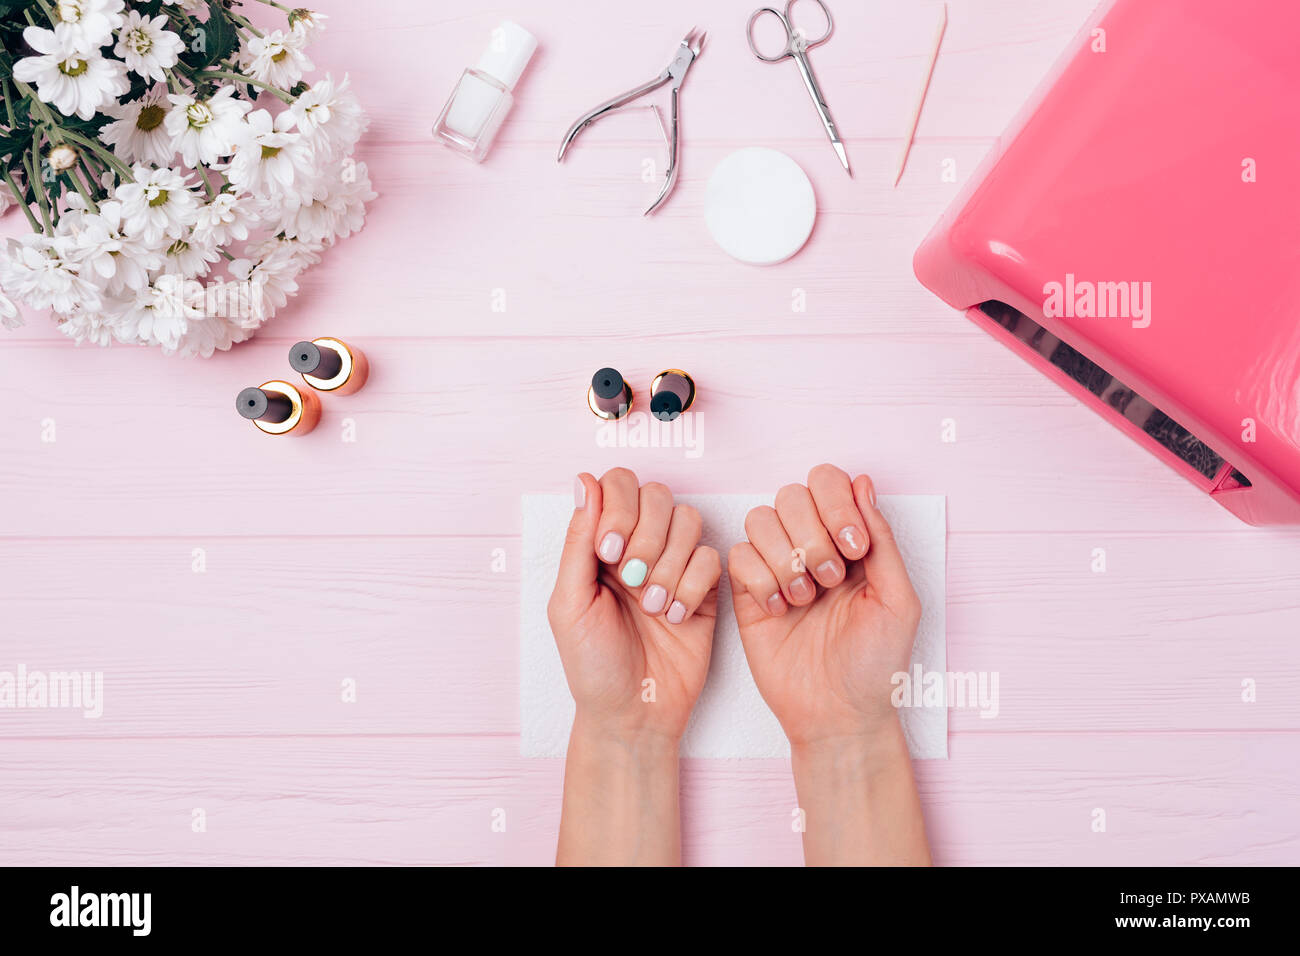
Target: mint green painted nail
(634,573)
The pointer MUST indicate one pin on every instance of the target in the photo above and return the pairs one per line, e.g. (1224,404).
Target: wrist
(613,738)
(870,750)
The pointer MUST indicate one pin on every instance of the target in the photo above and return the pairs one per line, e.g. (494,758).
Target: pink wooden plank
(564,251)
(260,642)
(448,434)
(1169,799)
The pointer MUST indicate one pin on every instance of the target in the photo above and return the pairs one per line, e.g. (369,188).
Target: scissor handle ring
(790,28)
(789,35)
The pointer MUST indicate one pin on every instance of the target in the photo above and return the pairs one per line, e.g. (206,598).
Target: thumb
(884,562)
(575,585)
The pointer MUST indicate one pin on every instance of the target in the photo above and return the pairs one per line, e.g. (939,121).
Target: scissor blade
(844,156)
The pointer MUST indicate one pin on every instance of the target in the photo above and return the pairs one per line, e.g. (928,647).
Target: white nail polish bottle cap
(507,56)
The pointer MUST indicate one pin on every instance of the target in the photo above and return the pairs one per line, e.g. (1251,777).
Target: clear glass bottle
(470,121)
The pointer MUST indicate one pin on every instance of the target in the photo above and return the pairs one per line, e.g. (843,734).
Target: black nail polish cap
(308,358)
(261,405)
(665,406)
(607,384)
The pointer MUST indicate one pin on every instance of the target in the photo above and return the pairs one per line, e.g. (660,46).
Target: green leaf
(220,36)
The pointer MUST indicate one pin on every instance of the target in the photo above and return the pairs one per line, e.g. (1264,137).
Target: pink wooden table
(392,560)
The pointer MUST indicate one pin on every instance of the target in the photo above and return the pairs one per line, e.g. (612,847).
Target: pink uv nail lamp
(1136,235)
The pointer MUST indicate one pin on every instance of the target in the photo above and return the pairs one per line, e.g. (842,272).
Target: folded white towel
(730,718)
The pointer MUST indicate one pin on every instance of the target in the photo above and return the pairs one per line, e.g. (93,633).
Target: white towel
(730,718)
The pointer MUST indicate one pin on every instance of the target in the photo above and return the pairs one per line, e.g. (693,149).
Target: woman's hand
(633,613)
(635,602)
(826,610)
(828,615)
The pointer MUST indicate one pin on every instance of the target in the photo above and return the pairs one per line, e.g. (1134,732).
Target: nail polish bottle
(330,365)
(472,117)
(609,396)
(279,408)
(671,393)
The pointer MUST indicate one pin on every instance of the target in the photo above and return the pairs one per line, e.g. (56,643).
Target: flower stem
(241,78)
(48,12)
(116,164)
(75,180)
(278,6)
(243,21)
(9,104)
(34,180)
(27,210)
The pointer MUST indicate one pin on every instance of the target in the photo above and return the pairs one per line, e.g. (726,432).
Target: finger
(699,579)
(833,494)
(764,529)
(884,563)
(755,592)
(683,535)
(798,514)
(575,585)
(618,516)
(654,511)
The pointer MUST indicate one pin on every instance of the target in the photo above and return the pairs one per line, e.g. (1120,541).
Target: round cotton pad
(759,206)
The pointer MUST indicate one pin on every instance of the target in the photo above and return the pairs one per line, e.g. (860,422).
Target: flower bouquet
(176,169)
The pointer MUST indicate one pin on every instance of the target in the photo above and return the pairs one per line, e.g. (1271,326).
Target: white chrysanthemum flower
(87,25)
(158,203)
(307,22)
(271,161)
(7,200)
(205,131)
(209,334)
(227,217)
(339,213)
(330,117)
(43,271)
(10,316)
(190,257)
(120,262)
(279,58)
(137,133)
(158,314)
(76,82)
(189,6)
(275,274)
(91,325)
(147,46)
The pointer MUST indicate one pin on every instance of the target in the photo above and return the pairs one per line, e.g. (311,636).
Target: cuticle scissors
(797,47)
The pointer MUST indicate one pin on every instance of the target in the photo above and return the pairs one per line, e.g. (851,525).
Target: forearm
(620,800)
(860,802)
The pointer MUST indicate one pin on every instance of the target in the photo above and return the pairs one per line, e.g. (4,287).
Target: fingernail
(677,613)
(634,571)
(611,547)
(775,605)
(871,494)
(851,540)
(654,599)
(801,589)
(828,571)
(579,494)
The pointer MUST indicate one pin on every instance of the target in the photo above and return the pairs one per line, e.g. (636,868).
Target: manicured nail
(611,547)
(828,571)
(871,494)
(579,494)
(634,571)
(654,599)
(801,589)
(677,613)
(851,540)
(775,605)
